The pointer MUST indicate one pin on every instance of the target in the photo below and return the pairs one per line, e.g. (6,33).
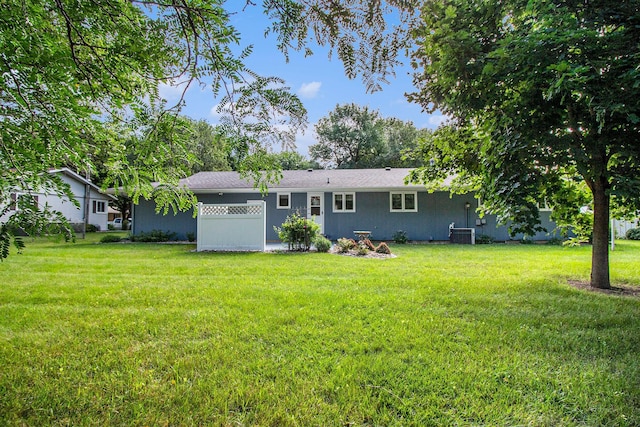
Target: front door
(315,209)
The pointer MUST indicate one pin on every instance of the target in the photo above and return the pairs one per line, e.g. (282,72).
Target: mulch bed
(354,253)
(618,290)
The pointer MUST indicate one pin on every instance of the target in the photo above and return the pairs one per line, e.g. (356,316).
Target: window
(284,200)
(99,206)
(17,199)
(404,201)
(544,206)
(344,202)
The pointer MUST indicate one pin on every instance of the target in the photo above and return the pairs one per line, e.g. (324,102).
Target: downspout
(87,194)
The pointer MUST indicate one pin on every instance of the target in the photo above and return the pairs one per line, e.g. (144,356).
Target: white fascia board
(308,190)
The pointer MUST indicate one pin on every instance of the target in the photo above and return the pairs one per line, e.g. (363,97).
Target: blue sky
(320,83)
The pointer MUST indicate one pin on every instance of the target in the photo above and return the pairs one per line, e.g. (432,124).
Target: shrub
(298,232)
(557,241)
(345,245)
(154,236)
(483,239)
(383,248)
(633,234)
(400,237)
(362,250)
(191,236)
(322,244)
(110,238)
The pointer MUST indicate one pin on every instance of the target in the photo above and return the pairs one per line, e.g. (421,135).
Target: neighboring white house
(84,191)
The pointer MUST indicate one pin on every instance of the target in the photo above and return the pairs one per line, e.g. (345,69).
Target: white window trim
(288,200)
(344,200)
(403,194)
(15,197)
(544,206)
(95,207)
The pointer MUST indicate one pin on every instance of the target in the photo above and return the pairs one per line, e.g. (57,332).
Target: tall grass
(151,334)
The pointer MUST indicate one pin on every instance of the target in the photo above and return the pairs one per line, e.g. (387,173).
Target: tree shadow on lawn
(618,290)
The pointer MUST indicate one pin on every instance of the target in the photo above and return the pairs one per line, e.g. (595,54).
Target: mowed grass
(151,334)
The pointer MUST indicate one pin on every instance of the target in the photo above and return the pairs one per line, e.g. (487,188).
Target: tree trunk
(600,248)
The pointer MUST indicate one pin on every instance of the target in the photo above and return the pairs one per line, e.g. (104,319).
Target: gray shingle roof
(334,179)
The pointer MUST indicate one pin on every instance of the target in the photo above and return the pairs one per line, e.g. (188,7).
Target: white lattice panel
(209,210)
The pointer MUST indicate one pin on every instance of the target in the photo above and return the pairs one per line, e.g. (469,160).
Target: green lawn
(149,334)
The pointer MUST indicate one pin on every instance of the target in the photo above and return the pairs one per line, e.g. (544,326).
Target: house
(341,201)
(83,190)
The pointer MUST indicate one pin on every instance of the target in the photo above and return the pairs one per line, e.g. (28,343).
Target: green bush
(322,244)
(483,239)
(298,232)
(345,245)
(154,236)
(191,236)
(92,228)
(110,238)
(633,234)
(556,241)
(362,250)
(400,237)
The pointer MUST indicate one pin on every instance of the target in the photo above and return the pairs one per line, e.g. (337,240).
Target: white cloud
(437,119)
(303,141)
(213,113)
(171,92)
(309,90)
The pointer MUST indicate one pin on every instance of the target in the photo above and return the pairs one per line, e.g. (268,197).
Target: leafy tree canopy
(548,90)
(352,136)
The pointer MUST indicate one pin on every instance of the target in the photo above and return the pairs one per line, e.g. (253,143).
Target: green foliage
(484,239)
(548,90)
(362,249)
(298,232)
(110,238)
(349,137)
(154,236)
(352,136)
(345,245)
(400,237)
(633,234)
(92,228)
(292,160)
(555,241)
(82,88)
(191,236)
(322,244)
(209,146)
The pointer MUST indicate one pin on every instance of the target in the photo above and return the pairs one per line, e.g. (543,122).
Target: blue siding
(431,223)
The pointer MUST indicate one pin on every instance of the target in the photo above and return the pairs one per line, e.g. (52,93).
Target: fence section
(232,227)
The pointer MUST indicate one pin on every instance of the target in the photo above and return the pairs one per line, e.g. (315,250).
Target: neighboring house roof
(68,172)
(308,180)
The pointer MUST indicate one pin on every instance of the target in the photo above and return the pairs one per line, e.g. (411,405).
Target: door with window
(315,208)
